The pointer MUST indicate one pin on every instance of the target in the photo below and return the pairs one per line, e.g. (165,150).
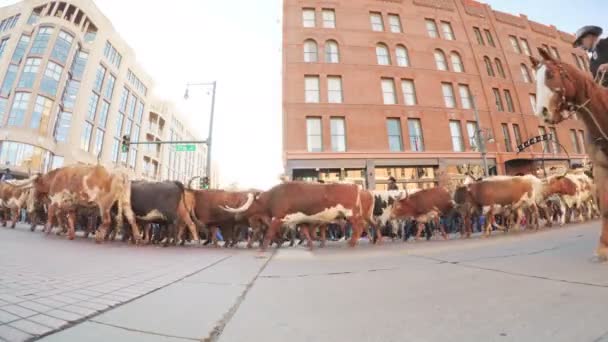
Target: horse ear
(535,62)
(544,54)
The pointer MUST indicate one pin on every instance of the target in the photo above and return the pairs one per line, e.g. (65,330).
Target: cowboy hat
(584,31)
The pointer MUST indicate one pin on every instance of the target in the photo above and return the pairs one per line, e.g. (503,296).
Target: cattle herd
(108,204)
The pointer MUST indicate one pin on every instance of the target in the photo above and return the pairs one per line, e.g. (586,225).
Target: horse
(562,91)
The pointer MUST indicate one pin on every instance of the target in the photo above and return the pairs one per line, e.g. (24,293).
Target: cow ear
(544,54)
(535,62)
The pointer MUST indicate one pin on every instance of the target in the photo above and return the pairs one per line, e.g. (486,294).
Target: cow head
(403,208)
(253,204)
(560,185)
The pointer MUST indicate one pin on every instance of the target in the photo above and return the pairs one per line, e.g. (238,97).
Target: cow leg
(52,210)
(323,233)
(419,229)
(443,232)
(15,217)
(106,222)
(71,216)
(306,229)
(357,226)
(271,232)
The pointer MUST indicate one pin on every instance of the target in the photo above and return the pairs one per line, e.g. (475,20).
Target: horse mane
(584,81)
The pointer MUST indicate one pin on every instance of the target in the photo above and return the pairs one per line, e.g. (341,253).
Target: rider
(588,38)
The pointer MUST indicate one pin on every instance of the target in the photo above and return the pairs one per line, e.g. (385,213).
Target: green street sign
(185,148)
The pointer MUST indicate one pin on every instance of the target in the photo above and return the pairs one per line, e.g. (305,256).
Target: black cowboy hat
(392,179)
(584,31)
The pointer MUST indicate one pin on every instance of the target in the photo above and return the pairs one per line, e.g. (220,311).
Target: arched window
(499,68)
(403,58)
(311,54)
(489,68)
(457,65)
(525,74)
(332,52)
(382,54)
(440,60)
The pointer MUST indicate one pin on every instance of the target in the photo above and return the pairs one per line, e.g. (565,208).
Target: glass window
(133,159)
(308,17)
(50,80)
(115,149)
(525,46)
(24,42)
(546,147)
(478,36)
(395,22)
(440,61)
(92,107)
(85,138)
(329,18)
(457,65)
(507,135)
(332,52)
(17,114)
(22,155)
(416,139)
(376,20)
(555,53)
(403,58)
(456,132)
(498,100)
(109,87)
(382,54)
(41,114)
(574,140)
(119,121)
(80,62)
(581,135)
(9,80)
(62,127)
(140,112)
(311,92)
(57,162)
(314,134)
(515,44)
(334,89)
(103,114)
(509,101)
(132,104)
(62,47)
(489,68)
(499,68)
(395,141)
(3,110)
(41,41)
(409,92)
(489,38)
(431,28)
(448,95)
(525,74)
(388,91)
(99,75)
(517,134)
(465,96)
(448,33)
(124,97)
(98,141)
(310,51)
(128,126)
(338,135)
(135,135)
(472,132)
(555,140)
(30,71)
(70,93)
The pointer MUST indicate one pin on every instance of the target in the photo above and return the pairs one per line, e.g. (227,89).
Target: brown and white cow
(424,206)
(12,199)
(309,204)
(80,185)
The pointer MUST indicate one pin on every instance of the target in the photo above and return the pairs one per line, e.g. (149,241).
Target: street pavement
(540,286)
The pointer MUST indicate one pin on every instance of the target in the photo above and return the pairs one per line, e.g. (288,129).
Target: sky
(238,44)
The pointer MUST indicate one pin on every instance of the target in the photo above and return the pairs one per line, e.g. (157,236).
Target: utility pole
(209,140)
(480,140)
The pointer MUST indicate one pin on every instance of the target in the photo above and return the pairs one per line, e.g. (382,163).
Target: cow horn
(25,183)
(243,208)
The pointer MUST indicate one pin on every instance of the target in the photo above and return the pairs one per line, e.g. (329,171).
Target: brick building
(380,88)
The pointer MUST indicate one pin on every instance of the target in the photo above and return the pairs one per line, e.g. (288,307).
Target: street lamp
(209,139)
(481,136)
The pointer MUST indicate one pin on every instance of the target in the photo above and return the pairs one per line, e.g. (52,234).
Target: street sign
(534,140)
(185,148)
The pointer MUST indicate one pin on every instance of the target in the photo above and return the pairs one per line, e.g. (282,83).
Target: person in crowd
(392,184)
(206,184)
(7,175)
(588,39)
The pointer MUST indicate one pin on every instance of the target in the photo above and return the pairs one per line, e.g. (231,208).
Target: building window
(119,120)
(140,111)
(30,71)
(499,68)
(132,104)
(403,58)
(456,132)
(448,95)
(24,42)
(498,100)
(51,77)
(478,36)
(533,102)
(85,138)
(41,41)
(311,92)
(431,28)
(62,47)
(517,133)
(472,133)
(57,162)
(525,46)
(41,115)
(98,142)
(395,22)
(62,126)
(489,38)
(505,133)
(409,92)
(109,87)
(69,94)
(488,65)
(314,134)
(334,89)
(382,54)
(3,45)
(395,141)
(525,74)
(509,101)
(440,61)
(555,53)
(310,51)
(582,140)
(338,135)
(112,55)
(80,62)
(446,28)
(574,139)
(415,131)
(546,147)
(103,114)
(99,75)
(515,44)
(17,114)
(329,18)
(115,150)
(465,96)
(388,91)
(457,65)
(92,107)
(376,21)
(9,80)
(555,140)
(332,52)
(308,17)
(124,98)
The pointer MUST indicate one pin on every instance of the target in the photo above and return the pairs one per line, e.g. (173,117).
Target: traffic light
(126,140)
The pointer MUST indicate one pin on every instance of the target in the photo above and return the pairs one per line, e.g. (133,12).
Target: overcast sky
(238,43)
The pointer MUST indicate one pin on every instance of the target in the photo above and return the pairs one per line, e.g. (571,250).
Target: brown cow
(297,203)
(12,199)
(424,206)
(72,186)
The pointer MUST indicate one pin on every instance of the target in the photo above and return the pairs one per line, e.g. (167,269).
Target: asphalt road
(541,286)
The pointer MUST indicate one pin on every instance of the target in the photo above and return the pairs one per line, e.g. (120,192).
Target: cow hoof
(71,237)
(32,228)
(602,253)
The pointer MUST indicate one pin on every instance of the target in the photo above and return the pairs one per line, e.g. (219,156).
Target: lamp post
(210,137)
(480,139)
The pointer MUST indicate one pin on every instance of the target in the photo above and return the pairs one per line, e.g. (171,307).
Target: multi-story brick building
(71,89)
(380,88)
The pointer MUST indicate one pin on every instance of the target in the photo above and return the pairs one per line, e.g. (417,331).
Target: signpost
(534,140)
(185,148)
